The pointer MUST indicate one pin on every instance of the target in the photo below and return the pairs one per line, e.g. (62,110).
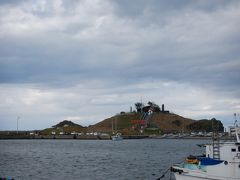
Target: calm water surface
(90,159)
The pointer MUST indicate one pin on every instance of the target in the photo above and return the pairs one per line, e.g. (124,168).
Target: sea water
(93,159)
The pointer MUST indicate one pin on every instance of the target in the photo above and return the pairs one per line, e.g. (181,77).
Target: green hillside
(119,122)
(206,125)
(159,122)
(65,126)
(67,123)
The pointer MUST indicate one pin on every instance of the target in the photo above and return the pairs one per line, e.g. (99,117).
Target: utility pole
(17,123)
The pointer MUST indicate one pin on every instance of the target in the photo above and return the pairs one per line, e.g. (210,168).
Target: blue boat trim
(209,161)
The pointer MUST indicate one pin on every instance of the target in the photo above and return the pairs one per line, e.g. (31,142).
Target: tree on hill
(139,106)
(177,123)
(206,125)
(155,107)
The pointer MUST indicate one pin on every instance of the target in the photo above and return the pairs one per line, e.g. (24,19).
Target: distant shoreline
(92,137)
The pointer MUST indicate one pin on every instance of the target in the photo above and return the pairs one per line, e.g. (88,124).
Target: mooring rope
(163,175)
(165,172)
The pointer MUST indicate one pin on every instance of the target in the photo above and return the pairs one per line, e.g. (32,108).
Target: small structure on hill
(163,109)
(146,114)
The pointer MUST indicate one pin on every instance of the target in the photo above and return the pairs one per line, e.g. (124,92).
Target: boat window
(233,150)
(238,148)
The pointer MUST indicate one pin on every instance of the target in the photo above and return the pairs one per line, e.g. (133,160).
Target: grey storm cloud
(120,46)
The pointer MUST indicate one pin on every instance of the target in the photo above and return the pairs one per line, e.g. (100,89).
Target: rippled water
(90,159)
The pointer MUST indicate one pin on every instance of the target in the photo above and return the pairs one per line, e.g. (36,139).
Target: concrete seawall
(83,137)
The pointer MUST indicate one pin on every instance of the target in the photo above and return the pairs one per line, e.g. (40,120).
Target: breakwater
(54,137)
(77,137)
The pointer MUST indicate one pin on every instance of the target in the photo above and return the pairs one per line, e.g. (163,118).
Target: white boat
(222,162)
(117,137)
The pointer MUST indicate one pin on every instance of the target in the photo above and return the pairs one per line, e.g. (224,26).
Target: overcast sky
(88,60)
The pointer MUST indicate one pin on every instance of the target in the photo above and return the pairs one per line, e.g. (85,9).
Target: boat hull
(186,177)
(193,174)
(117,138)
(190,177)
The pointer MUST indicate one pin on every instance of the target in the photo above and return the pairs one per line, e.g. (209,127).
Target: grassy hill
(171,122)
(65,126)
(67,123)
(119,122)
(158,123)
(162,122)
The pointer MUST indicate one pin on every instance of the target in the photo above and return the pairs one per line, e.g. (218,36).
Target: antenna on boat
(236,128)
(235,119)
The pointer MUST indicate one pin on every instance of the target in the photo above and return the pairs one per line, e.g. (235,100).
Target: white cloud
(88,60)
(86,106)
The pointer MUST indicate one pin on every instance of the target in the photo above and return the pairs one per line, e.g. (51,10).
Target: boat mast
(112,127)
(215,139)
